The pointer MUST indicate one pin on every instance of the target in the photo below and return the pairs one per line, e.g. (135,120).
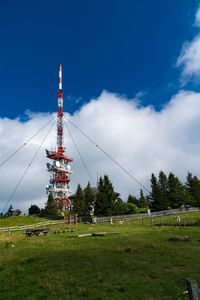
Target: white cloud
(139,138)
(197,18)
(189,58)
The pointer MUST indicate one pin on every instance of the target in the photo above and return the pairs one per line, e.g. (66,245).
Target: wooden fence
(144,216)
(32,226)
(70,219)
(74,219)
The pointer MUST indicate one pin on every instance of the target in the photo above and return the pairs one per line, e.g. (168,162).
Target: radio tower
(60,169)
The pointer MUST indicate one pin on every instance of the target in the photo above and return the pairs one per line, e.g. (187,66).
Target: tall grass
(139,263)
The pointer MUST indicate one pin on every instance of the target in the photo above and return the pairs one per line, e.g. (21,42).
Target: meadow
(138,263)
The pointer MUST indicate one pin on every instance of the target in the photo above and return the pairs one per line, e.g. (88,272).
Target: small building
(14,212)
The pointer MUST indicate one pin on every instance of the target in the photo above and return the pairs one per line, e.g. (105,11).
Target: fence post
(76,220)
(8,231)
(70,220)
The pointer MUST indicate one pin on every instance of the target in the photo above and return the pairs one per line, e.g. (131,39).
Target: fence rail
(141,216)
(18,228)
(105,219)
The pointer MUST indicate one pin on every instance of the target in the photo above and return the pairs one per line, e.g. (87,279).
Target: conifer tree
(133,200)
(79,202)
(193,187)
(34,210)
(143,202)
(120,208)
(106,198)
(111,195)
(7,214)
(51,206)
(154,196)
(89,198)
(163,186)
(159,195)
(101,203)
(177,193)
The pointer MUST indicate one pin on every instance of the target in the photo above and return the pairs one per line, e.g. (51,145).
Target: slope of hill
(139,263)
(20,220)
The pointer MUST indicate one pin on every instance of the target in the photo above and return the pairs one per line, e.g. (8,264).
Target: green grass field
(139,263)
(17,221)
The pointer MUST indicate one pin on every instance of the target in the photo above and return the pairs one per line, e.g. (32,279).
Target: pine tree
(106,198)
(101,204)
(159,195)
(120,207)
(79,202)
(51,206)
(154,196)
(177,193)
(8,214)
(89,198)
(34,210)
(111,195)
(163,186)
(193,187)
(143,202)
(133,200)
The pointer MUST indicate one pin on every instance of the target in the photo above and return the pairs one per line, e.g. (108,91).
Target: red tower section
(60,169)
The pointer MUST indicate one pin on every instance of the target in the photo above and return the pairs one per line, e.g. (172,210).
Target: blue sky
(124,47)
(117,53)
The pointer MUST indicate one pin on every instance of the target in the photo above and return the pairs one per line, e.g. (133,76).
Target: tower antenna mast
(60,169)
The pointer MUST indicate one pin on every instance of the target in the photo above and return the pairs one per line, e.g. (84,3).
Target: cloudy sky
(131,77)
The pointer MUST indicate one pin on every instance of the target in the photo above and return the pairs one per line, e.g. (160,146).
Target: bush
(131,208)
(142,210)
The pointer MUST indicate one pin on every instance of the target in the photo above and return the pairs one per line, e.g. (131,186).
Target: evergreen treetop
(79,202)
(51,206)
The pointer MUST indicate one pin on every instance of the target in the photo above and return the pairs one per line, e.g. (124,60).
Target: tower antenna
(60,169)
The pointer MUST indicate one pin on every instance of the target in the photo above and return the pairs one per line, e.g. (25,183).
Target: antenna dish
(57,164)
(68,167)
(48,166)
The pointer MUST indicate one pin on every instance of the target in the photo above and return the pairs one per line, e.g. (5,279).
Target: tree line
(104,201)
(100,201)
(169,192)
(166,192)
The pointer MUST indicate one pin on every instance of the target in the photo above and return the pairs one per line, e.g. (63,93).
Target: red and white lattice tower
(60,169)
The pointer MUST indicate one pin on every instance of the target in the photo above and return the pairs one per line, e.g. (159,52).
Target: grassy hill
(139,263)
(20,220)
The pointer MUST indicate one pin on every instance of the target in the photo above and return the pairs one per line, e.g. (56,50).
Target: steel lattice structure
(60,169)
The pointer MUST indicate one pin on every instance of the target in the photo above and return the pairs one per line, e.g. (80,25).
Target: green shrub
(142,210)
(131,208)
